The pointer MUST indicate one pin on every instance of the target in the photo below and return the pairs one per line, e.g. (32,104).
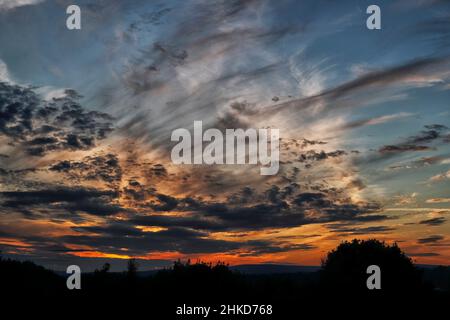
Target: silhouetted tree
(345,268)
(101,274)
(132,268)
(105,268)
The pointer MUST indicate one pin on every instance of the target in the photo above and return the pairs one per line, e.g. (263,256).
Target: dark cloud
(403,148)
(278,206)
(265,247)
(418,142)
(71,200)
(112,237)
(431,239)
(165,203)
(40,126)
(179,239)
(344,229)
(94,206)
(139,242)
(137,192)
(370,218)
(194,222)
(157,171)
(433,132)
(312,155)
(434,221)
(245,195)
(356,184)
(100,167)
(385,77)
(424,254)
(248,210)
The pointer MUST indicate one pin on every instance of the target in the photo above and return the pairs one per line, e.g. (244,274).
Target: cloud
(4,74)
(222,66)
(423,254)
(112,237)
(264,247)
(40,127)
(440,177)
(188,241)
(11,4)
(312,155)
(274,208)
(69,200)
(438,200)
(343,229)
(99,167)
(376,120)
(433,221)
(422,162)
(417,142)
(401,74)
(439,27)
(403,148)
(431,239)
(166,203)
(176,239)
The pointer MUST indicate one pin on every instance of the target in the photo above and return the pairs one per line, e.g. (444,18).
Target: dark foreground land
(339,286)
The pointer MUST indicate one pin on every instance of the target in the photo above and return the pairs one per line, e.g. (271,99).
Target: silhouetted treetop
(345,268)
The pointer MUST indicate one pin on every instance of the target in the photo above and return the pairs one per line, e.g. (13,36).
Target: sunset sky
(86,118)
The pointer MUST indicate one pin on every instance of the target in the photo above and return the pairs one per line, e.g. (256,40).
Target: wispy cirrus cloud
(440,177)
(406,74)
(4,74)
(11,4)
(438,200)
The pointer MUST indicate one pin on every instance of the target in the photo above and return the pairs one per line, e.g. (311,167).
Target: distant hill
(431,266)
(268,268)
(243,268)
(272,268)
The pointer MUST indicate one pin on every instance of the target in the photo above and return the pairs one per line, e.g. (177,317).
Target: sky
(86,118)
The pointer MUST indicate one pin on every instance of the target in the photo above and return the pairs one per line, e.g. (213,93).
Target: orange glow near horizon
(295,257)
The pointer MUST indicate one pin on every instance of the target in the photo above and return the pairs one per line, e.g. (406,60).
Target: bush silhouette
(344,268)
(199,280)
(104,269)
